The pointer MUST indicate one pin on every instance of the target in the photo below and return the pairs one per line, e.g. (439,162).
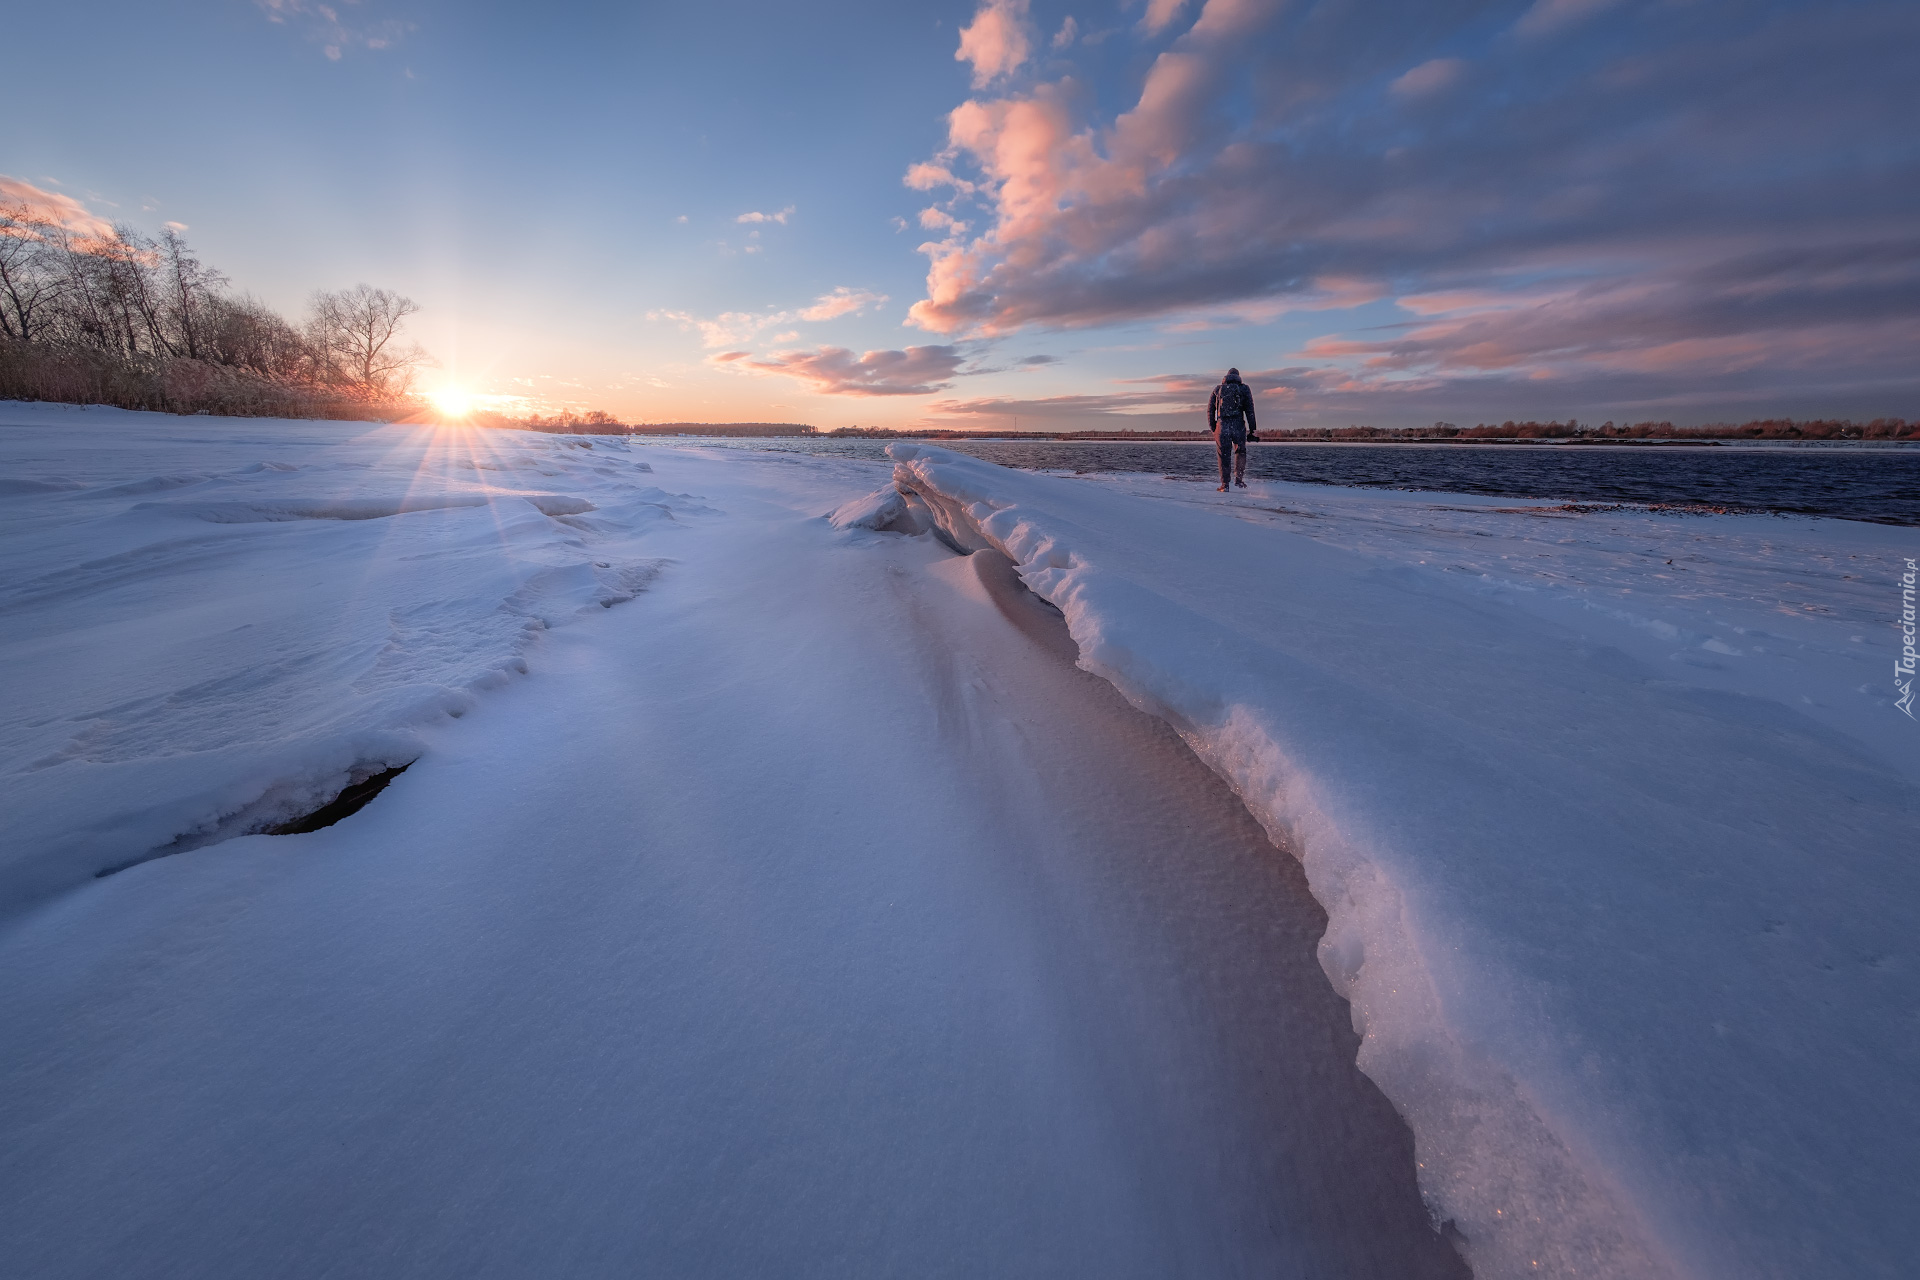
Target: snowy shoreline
(1596,996)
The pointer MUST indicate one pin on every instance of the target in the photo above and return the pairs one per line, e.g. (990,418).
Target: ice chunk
(881,510)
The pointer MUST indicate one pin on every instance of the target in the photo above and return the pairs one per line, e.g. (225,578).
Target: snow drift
(1630,951)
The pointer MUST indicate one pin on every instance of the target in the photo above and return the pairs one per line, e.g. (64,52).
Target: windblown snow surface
(211,628)
(772,895)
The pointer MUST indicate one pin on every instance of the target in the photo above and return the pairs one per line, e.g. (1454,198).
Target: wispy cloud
(916,371)
(1160,15)
(1549,16)
(731,328)
(1429,77)
(1113,411)
(52,207)
(780,217)
(1834,309)
(842,301)
(329,25)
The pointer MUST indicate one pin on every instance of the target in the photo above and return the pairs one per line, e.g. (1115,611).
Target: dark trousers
(1232,442)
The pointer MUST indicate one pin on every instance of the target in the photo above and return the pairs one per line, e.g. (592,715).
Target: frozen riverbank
(766,897)
(1612,817)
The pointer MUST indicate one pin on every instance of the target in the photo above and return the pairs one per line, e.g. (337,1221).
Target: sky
(1037,215)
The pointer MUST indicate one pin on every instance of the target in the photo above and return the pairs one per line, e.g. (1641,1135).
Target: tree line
(125,319)
(1758,429)
(1572,430)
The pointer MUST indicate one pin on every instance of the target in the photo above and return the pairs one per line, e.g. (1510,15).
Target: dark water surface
(1880,484)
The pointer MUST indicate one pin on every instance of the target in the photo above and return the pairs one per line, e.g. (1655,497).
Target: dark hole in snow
(350,801)
(345,805)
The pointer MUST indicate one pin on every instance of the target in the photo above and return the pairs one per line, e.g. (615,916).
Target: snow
(878,510)
(773,893)
(191,653)
(802,916)
(1616,853)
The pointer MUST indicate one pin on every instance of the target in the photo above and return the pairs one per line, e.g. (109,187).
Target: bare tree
(86,318)
(245,333)
(359,329)
(93,313)
(31,281)
(189,288)
(110,303)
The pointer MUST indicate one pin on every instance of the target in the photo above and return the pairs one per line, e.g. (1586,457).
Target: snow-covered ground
(209,624)
(772,894)
(1612,813)
(808,914)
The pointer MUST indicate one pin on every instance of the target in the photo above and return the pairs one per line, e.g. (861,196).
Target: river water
(1876,483)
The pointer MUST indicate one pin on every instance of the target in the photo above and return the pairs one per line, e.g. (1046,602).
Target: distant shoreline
(1759,431)
(1198,438)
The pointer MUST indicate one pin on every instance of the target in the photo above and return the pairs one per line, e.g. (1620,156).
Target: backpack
(1233,400)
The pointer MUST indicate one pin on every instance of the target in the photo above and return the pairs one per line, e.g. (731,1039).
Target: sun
(452,402)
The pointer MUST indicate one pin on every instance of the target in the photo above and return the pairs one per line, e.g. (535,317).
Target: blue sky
(1393,212)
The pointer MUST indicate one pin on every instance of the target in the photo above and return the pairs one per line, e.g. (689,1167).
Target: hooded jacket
(1237,403)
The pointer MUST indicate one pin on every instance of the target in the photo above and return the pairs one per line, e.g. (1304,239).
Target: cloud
(1068,32)
(842,301)
(1834,309)
(1160,15)
(1429,77)
(917,371)
(996,42)
(730,328)
(780,217)
(1549,16)
(325,27)
(1177,402)
(934,218)
(930,176)
(54,208)
(1257,159)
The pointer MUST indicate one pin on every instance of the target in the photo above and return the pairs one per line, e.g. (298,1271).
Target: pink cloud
(836,371)
(1549,16)
(1230,18)
(53,208)
(780,216)
(928,177)
(325,27)
(1538,225)
(1810,309)
(842,301)
(730,328)
(996,42)
(1429,77)
(1160,15)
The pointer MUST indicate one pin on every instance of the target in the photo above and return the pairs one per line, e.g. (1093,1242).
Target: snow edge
(1491,1165)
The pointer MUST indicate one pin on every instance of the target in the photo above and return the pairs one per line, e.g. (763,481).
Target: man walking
(1230,418)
